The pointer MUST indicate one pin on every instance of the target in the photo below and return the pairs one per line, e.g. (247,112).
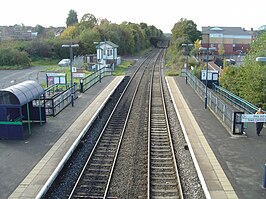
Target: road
(11,77)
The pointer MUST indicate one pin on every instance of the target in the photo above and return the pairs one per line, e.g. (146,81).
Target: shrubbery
(13,57)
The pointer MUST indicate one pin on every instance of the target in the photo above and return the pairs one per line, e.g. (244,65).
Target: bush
(13,57)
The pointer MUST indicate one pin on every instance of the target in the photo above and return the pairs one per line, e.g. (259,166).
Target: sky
(162,14)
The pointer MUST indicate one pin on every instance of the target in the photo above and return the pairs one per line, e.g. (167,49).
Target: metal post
(71,76)
(28,114)
(40,111)
(264,178)
(186,61)
(71,58)
(207,62)
(186,46)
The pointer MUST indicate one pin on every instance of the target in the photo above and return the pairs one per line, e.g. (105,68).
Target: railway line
(95,177)
(163,175)
(133,154)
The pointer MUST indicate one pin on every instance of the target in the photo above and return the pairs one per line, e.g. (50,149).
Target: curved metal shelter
(17,103)
(21,93)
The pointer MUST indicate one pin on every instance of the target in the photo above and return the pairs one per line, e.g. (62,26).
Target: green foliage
(130,37)
(13,57)
(249,81)
(186,29)
(88,21)
(72,18)
(39,29)
(120,69)
(86,39)
(39,48)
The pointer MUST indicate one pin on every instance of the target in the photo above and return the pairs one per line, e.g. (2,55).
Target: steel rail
(163,175)
(121,136)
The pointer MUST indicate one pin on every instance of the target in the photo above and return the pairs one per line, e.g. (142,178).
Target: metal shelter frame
(17,103)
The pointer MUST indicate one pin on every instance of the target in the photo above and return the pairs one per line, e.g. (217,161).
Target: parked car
(64,62)
(231,61)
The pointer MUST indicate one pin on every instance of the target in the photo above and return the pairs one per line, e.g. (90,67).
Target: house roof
(225,30)
(21,93)
(107,42)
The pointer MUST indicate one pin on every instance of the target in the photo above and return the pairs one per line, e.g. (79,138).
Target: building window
(109,52)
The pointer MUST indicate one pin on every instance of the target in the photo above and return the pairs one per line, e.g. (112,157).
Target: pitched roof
(225,30)
(107,42)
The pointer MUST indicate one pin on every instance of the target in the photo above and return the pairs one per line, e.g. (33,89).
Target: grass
(11,67)
(44,62)
(172,73)
(120,69)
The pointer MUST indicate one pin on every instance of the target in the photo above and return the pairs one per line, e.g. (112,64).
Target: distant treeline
(130,37)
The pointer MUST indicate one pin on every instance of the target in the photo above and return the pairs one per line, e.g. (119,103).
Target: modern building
(233,40)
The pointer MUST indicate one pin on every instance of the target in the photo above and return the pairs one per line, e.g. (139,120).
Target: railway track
(163,176)
(95,177)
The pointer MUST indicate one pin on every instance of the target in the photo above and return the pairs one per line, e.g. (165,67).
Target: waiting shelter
(20,105)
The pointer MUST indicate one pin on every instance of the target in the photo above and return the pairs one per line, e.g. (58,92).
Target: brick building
(234,40)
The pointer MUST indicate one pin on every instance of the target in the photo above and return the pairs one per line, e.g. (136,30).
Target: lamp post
(71,46)
(207,62)
(261,59)
(186,46)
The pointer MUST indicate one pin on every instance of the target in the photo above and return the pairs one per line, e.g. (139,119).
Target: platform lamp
(186,45)
(207,62)
(71,46)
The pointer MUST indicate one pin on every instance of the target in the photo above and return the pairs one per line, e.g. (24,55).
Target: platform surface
(26,165)
(233,166)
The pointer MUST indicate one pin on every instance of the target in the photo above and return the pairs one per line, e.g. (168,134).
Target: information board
(253,118)
(55,78)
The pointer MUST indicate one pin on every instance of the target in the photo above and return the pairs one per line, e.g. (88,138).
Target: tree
(197,46)
(72,18)
(87,38)
(70,33)
(248,81)
(39,29)
(185,29)
(88,21)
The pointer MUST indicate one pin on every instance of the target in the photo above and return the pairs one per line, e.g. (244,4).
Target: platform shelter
(20,105)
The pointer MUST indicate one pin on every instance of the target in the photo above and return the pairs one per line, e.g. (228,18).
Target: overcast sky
(237,13)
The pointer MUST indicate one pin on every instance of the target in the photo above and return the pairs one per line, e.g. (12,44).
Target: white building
(107,54)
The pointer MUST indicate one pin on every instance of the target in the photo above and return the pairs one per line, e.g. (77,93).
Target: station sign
(78,75)
(253,118)
(212,75)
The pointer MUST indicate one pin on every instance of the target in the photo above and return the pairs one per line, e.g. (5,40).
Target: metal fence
(218,106)
(235,100)
(93,78)
(59,97)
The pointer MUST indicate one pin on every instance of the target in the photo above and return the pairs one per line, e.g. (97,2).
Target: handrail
(236,99)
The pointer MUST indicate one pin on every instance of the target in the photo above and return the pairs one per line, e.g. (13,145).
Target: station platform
(73,125)
(231,166)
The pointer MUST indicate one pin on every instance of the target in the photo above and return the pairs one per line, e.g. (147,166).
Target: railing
(61,98)
(93,78)
(235,100)
(222,109)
